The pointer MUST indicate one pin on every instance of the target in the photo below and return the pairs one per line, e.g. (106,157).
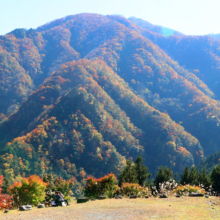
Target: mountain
(215,36)
(210,162)
(82,94)
(198,54)
(155,28)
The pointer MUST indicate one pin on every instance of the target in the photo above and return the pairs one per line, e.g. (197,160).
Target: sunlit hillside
(82,94)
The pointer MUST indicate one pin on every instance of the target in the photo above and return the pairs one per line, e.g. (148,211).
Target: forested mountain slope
(94,122)
(155,28)
(215,36)
(198,54)
(210,162)
(97,90)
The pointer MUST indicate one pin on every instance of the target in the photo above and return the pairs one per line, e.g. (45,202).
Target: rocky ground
(113,209)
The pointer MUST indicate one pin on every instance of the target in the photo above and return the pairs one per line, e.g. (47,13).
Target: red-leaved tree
(5,199)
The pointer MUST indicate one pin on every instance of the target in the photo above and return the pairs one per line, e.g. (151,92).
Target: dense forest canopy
(81,94)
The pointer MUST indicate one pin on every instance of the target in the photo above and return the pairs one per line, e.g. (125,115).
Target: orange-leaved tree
(104,185)
(30,190)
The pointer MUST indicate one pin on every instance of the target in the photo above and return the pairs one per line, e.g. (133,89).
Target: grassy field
(112,209)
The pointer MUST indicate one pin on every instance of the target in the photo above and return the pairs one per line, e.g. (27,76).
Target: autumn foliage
(29,190)
(184,190)
(96,187)
(107,90)
(129,189)
(5,200)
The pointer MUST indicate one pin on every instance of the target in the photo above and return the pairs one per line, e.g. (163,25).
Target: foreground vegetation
(133,183)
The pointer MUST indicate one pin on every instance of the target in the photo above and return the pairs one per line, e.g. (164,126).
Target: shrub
(96,187)
(187,189)
(128,189)
(165,188)
(30,190)
(64,186)
(6,201)
(58,184)
(78,188)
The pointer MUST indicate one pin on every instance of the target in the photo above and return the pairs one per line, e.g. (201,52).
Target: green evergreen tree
(164,174)
(215,178)
(142,171)
(128,175)
(204,179)
(191,176)
(194,176)
(185,176)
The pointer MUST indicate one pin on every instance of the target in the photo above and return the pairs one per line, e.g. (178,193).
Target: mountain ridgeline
(82,94)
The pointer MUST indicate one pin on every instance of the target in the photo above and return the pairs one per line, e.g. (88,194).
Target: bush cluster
(133,189)
(57,184)
(102,186)
(185,190)
(33,190)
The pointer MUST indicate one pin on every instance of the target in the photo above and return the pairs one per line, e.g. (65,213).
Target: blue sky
(194,17)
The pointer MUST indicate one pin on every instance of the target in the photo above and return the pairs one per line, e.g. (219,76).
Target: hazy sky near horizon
(194,17)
